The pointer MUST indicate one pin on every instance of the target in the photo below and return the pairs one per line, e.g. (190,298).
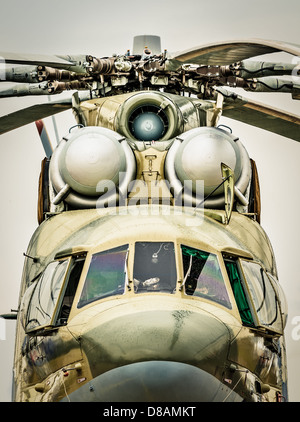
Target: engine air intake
(148,123)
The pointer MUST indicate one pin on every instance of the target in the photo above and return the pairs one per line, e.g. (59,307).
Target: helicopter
(149,277)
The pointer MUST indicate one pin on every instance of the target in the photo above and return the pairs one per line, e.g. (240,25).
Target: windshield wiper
(187,273)
(126,270)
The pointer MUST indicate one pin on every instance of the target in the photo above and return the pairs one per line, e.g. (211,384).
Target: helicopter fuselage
(168,323)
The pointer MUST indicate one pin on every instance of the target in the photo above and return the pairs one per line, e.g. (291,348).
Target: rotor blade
(35,74)
(40,88)
(273,84)
(254,69)
(39,111)
(30,114)
(35,59)
(77,63)
(23,89)
(224,53)
(260,115)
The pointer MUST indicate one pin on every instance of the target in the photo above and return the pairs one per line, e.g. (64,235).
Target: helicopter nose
(154,381)
(154,355)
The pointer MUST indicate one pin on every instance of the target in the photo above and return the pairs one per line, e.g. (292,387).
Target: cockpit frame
(130,290)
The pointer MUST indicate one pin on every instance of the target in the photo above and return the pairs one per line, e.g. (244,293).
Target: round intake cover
(148,127)
(92,156)
(200,155)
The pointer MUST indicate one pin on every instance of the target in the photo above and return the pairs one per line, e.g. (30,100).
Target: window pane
(238,292)
(72,283)
(263,295)
(203,276)
(106,275)
(282,299)
(45,295)
(154,267)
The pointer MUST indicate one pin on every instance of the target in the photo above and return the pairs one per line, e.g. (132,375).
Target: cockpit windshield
(106,275)
(203,277)
(154,267)
(45,295)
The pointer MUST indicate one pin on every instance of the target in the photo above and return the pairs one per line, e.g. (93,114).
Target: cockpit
(233,283)
(154,267)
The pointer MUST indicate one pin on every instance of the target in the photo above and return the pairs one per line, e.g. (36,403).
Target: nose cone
(115,338)
(154,381)
(149,355)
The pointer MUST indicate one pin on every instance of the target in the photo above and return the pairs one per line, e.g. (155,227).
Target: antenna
(54,124)
(44,138)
